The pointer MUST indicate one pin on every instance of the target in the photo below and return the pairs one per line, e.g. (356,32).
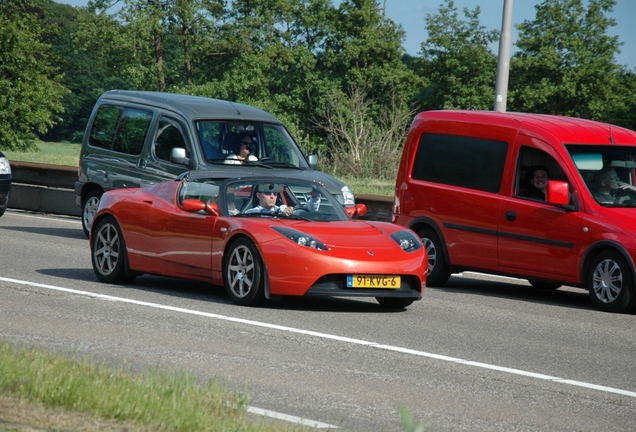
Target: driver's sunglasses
(268,193)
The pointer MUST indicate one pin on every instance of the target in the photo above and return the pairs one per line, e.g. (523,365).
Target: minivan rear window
(122,130)
(468,162)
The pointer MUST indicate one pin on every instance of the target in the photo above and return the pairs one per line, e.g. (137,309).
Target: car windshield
(268,198)
(249,143)
(608,171)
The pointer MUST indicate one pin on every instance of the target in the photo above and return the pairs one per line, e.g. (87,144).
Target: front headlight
(347,195)
(407,240)
(300,238)
(5,168)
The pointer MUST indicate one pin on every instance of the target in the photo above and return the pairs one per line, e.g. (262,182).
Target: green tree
(457,60)
(565,63)
(30,93)
(81,72)
(364,52)
(364,111)
(265,55)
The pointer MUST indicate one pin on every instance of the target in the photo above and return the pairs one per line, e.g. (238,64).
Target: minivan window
(530,160)
(132,130)
(104,126)
(468,162)
(277,145)
(272,143)
(169,135)
(609,172)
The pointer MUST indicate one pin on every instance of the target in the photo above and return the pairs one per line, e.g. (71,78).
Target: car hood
(350,234)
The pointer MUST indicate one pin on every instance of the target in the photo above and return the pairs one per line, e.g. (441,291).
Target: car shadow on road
(79,274)
(194,290)
(565,296)
(73,233)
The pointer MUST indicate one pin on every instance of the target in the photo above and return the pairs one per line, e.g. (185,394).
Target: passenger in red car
(267,194)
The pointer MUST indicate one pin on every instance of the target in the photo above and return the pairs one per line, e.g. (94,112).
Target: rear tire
(243,273)
(91,204)
(108,252)
(438,270)
(611,284)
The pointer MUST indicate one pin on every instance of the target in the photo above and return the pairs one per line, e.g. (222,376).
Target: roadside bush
(363,138)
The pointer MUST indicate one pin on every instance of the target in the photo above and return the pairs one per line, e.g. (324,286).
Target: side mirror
(178,155)
(358,210)
(558,192)
(194,206)
(313,161)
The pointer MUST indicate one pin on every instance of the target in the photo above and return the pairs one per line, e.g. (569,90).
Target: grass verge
(55,153)
(155,400)
(365,186)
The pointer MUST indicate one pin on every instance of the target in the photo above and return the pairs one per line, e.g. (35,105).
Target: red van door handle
(511,216)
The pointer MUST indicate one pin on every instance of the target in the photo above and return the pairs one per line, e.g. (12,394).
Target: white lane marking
(290,418)
(338,338)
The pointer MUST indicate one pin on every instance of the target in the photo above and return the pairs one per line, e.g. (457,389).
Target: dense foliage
(337,75)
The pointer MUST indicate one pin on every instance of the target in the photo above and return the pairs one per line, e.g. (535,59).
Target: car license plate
(373,281)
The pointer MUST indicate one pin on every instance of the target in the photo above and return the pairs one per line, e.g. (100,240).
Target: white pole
(503,61)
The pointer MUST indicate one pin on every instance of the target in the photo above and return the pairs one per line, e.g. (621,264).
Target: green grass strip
(166,401)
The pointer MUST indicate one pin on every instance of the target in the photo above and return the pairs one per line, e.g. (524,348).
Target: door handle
(511,216)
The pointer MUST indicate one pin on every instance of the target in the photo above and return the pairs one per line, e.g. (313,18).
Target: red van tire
(438,270)
(610,283)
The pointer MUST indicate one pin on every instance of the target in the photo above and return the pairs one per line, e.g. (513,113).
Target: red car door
(181,241)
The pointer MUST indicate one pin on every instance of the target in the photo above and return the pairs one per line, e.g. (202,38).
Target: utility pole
(503,61)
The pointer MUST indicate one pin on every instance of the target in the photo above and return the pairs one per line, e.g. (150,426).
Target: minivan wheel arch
(609,274)
(594,249)
(439,271)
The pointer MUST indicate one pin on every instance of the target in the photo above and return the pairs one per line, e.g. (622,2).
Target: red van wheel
(610,283)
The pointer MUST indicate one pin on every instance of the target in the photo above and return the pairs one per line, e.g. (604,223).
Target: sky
(410,15)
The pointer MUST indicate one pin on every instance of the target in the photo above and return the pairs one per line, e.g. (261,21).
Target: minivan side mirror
(558,192)
(313,161)
(178,155)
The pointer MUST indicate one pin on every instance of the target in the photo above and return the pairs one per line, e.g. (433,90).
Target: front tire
(438,270)
(91,204)
(108,252)
(611,284)
(243,273)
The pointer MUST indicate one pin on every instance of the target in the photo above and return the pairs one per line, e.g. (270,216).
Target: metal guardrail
(49,188)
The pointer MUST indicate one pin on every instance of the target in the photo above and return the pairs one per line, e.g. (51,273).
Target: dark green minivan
(137,138)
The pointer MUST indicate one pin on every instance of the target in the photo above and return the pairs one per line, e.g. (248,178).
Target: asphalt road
(482,354)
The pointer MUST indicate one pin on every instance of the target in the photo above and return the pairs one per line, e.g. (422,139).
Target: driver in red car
(267,194)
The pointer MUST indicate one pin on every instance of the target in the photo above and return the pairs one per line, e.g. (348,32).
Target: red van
(545,198)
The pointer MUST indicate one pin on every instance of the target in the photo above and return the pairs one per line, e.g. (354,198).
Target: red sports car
(259,237)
